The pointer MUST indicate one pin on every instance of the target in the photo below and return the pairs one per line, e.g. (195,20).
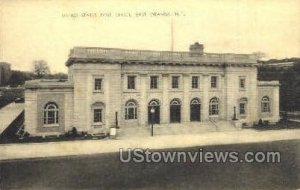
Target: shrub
(260,123)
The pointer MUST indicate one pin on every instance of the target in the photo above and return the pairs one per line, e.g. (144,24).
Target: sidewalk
(86,147)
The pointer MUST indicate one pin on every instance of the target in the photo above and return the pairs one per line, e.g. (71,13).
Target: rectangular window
(242,83)
(97,115)
(242,109)
(265,107)
(98,84)
(175,81)
(130,113)
(154,82)
(214,110)
(195,82)
(51,117)
(214,81)
(131,82)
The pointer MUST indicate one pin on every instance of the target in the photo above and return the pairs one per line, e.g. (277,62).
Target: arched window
(265,105)
(243,106)
(51,114)
(130,110)
(214,106)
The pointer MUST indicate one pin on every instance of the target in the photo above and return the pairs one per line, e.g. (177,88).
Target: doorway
(195,110)
(156,115)
(175,111)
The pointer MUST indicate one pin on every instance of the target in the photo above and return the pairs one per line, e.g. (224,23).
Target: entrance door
(156,119)
(156,115)
(195,110)
(175,111)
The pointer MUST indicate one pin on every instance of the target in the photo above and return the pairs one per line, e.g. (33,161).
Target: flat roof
(129,56)
(48,84)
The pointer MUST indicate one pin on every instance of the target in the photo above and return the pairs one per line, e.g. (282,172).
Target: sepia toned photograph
(150,94)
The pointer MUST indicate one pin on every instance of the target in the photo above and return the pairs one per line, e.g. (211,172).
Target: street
(105,171)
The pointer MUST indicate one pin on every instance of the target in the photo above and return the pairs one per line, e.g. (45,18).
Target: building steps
(177,129)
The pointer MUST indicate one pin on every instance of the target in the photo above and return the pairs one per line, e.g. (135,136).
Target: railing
(213,121)
(122,54)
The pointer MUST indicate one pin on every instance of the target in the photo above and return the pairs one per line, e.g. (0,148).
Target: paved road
(9,113)
(105,171)
(37,150)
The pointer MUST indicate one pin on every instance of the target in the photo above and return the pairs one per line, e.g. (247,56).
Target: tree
(60,75)
(259,54)
(40,68)
(19,77)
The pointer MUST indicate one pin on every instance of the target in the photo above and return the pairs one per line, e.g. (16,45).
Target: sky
(35,29)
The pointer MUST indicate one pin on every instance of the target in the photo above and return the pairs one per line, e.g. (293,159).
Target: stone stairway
(177,129)
(225,126)
(132,132)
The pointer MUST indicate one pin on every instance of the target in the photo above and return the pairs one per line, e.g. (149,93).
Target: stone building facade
(108,87)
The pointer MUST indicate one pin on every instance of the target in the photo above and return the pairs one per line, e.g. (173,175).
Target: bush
(74,132)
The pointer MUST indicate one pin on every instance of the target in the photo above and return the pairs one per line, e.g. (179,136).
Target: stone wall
(271,90)
(35,101)
(85,96)
(75,102)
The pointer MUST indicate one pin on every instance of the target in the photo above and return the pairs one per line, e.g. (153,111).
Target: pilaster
(165,100)
(185,103)
(205,102)
(143,102)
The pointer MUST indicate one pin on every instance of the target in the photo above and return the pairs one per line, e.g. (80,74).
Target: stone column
(121,113)
(205,101)
(107,101)
(164,107)
(186,101)
(143,103)
(275,102)
(223,97)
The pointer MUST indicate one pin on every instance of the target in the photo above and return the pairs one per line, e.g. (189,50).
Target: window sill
(97,125)
(243,116)
(131,120)
(131,91)
(213,115)
(242,89)
(51,125)
(175,90)
(154,90)
(97,91)
(215,89)
(195,90)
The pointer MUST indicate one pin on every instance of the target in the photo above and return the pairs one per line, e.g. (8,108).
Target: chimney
(196,49)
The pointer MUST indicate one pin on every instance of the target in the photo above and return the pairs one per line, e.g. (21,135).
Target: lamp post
(234,113)
(152,111)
